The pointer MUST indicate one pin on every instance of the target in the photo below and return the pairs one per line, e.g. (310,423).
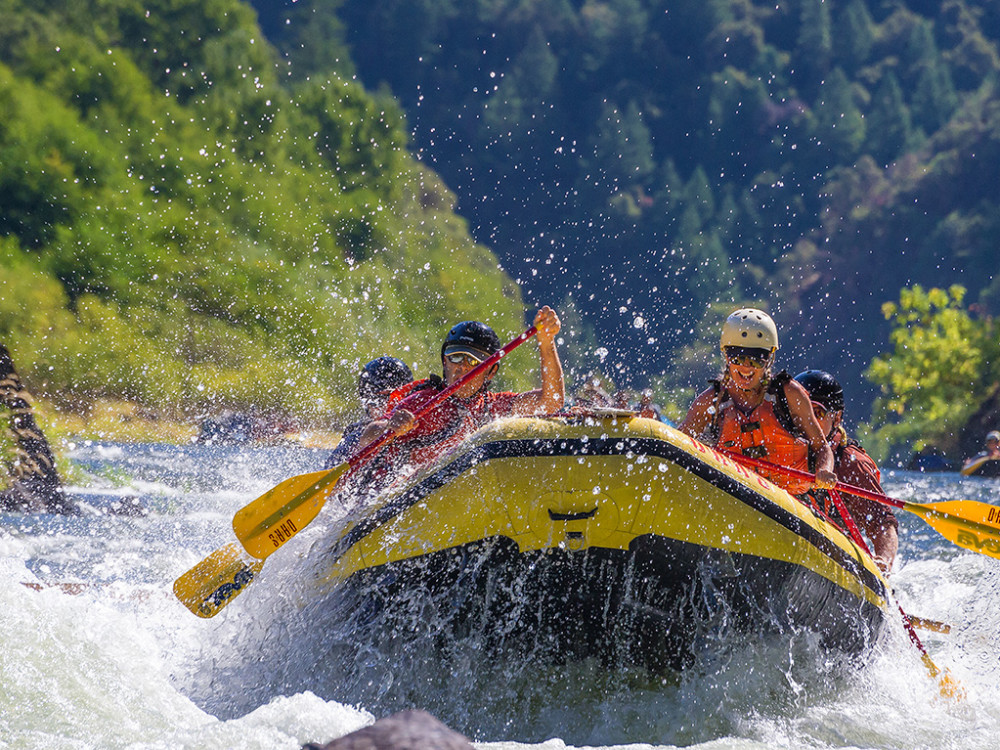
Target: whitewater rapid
(96,652)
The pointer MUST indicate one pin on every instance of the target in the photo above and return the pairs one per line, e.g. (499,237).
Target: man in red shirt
(853,466)
(473,405)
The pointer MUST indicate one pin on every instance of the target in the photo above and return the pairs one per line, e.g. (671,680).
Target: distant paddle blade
(967,523)
(272,519)
(214,582)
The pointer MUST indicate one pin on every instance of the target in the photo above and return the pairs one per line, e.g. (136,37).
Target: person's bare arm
(401,421)
(699,415)
(801,410)
(550,397)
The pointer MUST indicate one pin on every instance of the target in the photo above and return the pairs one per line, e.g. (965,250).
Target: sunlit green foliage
(941,364)
(182,227)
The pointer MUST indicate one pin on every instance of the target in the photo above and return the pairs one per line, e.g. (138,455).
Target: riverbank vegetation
(183,228)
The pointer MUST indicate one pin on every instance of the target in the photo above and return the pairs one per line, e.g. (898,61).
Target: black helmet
(823,388)
(472,337)
(380,375)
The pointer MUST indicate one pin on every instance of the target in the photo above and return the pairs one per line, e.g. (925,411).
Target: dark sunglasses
(745,356)
(457,358)
(819,410)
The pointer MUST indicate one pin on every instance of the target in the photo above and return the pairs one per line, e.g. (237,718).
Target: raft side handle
(582,516)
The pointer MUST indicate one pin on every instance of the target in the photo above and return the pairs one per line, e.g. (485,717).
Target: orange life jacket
(760,434)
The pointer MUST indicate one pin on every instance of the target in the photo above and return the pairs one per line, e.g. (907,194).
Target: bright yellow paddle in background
(967,523)
(268,522)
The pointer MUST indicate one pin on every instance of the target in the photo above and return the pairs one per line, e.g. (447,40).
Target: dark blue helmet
(382,375)
(823,388)
(472,337)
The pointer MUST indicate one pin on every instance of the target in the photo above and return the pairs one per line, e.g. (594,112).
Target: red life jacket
(761,434)
(446,425)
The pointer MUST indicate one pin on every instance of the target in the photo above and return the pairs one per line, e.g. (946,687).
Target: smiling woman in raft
(750,411)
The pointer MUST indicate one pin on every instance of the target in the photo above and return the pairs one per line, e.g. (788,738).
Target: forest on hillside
(185,227)
(234,204)
(650,163)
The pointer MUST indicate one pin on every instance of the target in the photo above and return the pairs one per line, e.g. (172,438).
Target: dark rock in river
(35,486)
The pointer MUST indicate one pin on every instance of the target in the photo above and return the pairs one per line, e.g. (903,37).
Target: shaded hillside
(183,225)
(652,158)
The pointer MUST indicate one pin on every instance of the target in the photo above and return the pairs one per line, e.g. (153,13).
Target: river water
(96,653)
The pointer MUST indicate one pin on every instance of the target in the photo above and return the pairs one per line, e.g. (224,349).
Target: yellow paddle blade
(967,523)
(949,686)
(283,511)
(215,581)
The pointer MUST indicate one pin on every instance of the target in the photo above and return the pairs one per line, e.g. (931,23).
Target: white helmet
(749,328)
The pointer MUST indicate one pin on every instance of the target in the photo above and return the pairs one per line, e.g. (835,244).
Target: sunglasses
(819,410)
(746,356)
(457,358)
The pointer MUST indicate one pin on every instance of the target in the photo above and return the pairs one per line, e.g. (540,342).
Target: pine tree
(814,47)
(888,123)
(622,148)
(854,35)
(839,122)
(934,99)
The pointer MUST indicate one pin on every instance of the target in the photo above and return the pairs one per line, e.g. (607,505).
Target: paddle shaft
(928,513)
(948,686)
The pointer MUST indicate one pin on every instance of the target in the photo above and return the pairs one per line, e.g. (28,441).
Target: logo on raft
(971,541)
(227,591)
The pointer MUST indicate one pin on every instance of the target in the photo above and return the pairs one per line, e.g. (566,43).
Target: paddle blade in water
(967,523)
(215,581)
(272,519)
(950,687)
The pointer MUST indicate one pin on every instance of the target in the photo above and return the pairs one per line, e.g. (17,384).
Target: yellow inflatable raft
(605,535)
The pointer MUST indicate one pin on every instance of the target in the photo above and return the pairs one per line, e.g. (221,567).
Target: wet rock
(407,730)
(35,484)
(985,419)
(930,459)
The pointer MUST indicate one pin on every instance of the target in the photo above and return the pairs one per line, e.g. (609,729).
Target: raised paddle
(265,524)
(967,523)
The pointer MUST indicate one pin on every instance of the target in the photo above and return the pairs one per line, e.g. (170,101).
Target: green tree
(838,120)
(934,376)
(934,99)
(854,35)
(888,122)
(308,34)
(621,150)
(814,46)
